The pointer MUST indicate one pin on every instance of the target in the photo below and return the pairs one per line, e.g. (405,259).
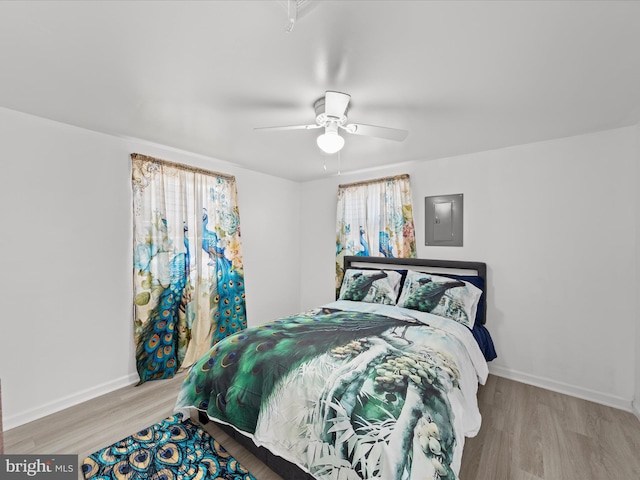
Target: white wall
(66,259)
(555,222)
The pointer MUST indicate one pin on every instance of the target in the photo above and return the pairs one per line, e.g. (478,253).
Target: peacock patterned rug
(170,449)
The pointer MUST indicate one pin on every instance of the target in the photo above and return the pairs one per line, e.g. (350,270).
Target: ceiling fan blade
(290,127)
(375,131)
(336,103)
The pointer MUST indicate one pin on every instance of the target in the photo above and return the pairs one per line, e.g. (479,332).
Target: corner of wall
(636,401)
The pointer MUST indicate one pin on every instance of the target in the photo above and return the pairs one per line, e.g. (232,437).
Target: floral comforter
(348,391)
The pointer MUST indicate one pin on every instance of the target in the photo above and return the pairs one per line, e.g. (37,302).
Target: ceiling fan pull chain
(291,16)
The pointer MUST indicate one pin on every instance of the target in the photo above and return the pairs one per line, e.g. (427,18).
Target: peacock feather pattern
(158,341)
(240,361)
(357,286)
(374,218)
(227,295)
(426,294)
(371,389)
(171,449)
(185,298)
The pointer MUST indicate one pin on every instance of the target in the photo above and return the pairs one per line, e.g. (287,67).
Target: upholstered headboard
(451,267)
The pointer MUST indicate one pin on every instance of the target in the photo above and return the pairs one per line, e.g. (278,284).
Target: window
(374,218)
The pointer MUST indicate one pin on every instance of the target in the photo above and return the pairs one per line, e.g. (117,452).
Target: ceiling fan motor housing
(323,119)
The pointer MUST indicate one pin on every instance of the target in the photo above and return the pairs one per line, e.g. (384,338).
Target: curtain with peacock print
(374,218)
(188,272)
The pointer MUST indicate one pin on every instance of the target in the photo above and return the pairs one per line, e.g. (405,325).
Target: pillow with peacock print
(442,296)
(372,286)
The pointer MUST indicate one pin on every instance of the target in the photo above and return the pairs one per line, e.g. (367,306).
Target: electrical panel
(443,220)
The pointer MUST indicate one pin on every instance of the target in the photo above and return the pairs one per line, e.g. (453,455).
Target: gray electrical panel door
(443,220)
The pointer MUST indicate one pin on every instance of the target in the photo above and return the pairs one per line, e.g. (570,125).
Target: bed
(381,383)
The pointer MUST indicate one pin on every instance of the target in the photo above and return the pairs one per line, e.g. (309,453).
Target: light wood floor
(527,433)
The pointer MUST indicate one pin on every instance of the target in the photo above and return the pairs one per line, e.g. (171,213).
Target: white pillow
(442,296)
(372,286)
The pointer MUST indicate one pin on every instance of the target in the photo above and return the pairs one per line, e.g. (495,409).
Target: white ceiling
(460,76)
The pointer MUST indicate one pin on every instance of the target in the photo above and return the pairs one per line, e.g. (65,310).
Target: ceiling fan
(331,114)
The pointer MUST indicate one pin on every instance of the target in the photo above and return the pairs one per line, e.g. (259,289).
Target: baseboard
(566,389)
(67,401)
(635,407)
(107,387)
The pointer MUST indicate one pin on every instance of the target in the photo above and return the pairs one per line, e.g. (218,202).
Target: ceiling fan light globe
(330,142)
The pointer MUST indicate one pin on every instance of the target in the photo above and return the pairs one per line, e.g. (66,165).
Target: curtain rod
(139,156)
(376,180)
